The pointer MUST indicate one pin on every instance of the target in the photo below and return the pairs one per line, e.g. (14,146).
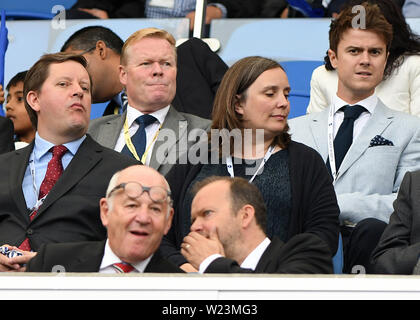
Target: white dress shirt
(250,261)
(369,104)
(151,130)
(110,258)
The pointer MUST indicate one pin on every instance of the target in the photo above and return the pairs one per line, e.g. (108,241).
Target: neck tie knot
(123,267)
(145,120)
(58,151)
(353,112)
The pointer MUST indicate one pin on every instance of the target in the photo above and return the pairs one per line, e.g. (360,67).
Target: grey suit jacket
(369,176)
(173,141)
(398,249)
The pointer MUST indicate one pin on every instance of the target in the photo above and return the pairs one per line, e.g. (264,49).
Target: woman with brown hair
(252,102)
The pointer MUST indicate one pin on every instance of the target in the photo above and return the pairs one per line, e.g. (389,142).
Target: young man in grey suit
(228,234)
(368,147)
(150,129)
(50,190)
(137,212)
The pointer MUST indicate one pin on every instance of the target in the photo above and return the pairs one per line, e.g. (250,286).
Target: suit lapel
(109,132)
(86,157)
(319,130)
(377,123)
(17,173)
(174,127)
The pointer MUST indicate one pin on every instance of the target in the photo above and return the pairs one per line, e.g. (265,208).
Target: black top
(273,181)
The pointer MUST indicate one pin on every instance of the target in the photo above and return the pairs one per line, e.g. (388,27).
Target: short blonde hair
(146,33)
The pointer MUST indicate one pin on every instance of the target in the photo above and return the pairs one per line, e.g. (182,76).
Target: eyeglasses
(134,190)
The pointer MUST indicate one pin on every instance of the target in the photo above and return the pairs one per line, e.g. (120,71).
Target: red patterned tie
(123,267)
(54,171)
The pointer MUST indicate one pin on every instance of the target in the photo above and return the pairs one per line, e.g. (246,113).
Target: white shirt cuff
(206,262)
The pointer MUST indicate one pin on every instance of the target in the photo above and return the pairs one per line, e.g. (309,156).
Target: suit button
(29,232)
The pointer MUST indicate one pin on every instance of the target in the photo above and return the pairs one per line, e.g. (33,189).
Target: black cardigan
(314,202)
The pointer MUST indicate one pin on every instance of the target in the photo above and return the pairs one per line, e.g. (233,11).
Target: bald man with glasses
(137,212)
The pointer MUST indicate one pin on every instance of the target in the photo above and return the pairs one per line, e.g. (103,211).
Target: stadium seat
(29,9)
(299,73)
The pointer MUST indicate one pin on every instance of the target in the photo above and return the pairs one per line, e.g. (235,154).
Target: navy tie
(139,138)
(344,137)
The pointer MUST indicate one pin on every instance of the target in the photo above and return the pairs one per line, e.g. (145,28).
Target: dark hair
(18,77)
(86,39)
(237,79)
(404,41)
(39,72)
(241,193)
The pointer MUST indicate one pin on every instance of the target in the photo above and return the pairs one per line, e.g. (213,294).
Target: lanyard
(229,163)
(131,147)
(39,202)
(331,154)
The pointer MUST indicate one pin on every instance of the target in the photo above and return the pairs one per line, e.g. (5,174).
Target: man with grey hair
(137,212)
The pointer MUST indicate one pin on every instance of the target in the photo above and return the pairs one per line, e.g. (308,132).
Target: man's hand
(15,264)
(188,267)
(196,247)
(212,12)
(101,14)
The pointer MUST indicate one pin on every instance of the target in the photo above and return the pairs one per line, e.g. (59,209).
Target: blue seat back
(299,73)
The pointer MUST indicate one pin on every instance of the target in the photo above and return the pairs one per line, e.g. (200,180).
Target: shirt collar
(42,146)
(369,103)
(110,258)
(254,257)
(133,114)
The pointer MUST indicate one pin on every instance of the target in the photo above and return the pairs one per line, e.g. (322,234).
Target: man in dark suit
(398,250)
(228,234)
(148,72)
(137,213)
(50,190)
(6,135)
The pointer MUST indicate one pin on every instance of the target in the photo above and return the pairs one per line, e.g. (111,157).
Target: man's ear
(33,100)
(247,214)
(169,221)
(123,75)
(333,58)
(104,209)
(101,49)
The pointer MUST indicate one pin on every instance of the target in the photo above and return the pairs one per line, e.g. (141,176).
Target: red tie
(123,267)
(54,171)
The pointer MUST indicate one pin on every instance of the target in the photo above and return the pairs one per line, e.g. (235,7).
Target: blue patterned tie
(139,138)
(344,137)
(124,100)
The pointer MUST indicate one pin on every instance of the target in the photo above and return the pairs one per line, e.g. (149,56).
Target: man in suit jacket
(6,135)
(57,98)
(137,213)
(228,234)
(148,72)
(385,143)
(398,249)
